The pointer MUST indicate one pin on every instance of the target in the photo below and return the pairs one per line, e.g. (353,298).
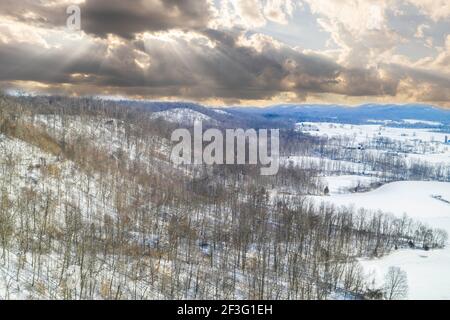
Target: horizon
(199,103)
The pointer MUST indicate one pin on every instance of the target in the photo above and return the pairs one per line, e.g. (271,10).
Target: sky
(229,52)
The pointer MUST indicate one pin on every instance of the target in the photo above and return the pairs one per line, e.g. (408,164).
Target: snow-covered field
(413,144)
(428,271)
(428,123)
(414,198)
(427,202)
(362,132)
(183,116)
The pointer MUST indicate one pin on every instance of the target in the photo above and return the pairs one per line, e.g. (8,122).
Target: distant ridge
(347,114)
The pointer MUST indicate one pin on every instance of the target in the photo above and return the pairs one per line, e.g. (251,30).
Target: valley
(93,208)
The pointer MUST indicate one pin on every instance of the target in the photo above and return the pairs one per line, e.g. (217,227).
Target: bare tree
(396,284)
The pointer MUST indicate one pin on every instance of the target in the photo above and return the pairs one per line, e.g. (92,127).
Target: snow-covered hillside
(91,207)
(183,116)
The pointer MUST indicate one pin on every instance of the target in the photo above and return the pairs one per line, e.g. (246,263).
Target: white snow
(220,111)
(345,183)
(411,197)
(428,271)
(434,158)
(385,122)
(423,145)
(406,121)
(414,121)
(360,133)
(182,116)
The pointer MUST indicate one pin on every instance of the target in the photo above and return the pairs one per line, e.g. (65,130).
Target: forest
(92,208)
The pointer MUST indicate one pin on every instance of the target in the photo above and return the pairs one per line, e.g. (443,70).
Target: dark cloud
(197,62)
(190,67)
(35,12)
(119,17)
(126,18)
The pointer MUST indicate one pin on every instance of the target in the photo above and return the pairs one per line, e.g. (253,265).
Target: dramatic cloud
(435,9)
(230,51)
(126,18)
(123,18)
